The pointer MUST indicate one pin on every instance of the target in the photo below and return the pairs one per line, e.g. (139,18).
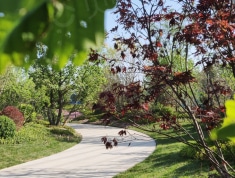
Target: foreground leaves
(226,131)
(59,29)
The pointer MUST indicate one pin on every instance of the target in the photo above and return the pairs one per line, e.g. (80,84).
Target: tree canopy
(178,53)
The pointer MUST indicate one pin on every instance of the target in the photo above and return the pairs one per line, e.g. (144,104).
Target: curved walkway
(89,158)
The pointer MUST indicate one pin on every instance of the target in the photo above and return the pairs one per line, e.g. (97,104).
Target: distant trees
(82,82)
(90,82)
(16,88)
(49,90)
(57,84)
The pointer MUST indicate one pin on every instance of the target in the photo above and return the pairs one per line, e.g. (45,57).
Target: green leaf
(12,12)
(227,130)
(21,41)
(71,27)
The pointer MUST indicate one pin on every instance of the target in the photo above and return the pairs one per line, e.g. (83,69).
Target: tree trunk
(220,168)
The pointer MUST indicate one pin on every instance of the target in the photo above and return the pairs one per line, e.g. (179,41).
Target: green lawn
(166,162)
(37,146)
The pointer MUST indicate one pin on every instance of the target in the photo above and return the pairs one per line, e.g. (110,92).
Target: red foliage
(114,29)
(93,56)
(104,140)
(123,55)
(206,28)
(218,88)
(212,31)
(183,77)
(15,114)
(109,144)
(122,132)
(158,44)
(109,99)
(164,126)
(145,106)
(210,117)
(115,142)
(106,121)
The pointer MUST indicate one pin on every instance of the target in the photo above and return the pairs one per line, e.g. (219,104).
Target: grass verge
(35,141)
(166,162)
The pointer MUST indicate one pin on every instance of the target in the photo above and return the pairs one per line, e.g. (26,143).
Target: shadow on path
(89,158)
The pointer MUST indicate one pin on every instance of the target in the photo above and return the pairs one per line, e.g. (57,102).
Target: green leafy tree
(90,81)
(16,88)
(83,83)
(57,83)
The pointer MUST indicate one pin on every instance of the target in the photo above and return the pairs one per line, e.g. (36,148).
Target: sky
(110,18)
(109,23)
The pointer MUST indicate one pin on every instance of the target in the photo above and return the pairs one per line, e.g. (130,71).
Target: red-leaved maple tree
(171,48)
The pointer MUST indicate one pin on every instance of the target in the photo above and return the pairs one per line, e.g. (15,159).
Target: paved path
(89,158)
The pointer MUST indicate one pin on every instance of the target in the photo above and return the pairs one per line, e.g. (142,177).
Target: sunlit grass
(13,154)
(166,162)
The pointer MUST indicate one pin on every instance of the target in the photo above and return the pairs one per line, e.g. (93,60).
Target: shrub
(228,149)
(65,133)
(72,130)
(32,132)
(14,113)
(160,110)
(192,153)
(7,127)
(42,122)
(63,130)
(93,119)
(28,112)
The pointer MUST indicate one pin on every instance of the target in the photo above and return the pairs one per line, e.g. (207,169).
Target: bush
(65,133)
(192,153)
(7,127)
(32,132)
(63,130)
(28,112)
(70,129)
(160,110)
(15,114)
(228,149)
(42,122)
(93,119)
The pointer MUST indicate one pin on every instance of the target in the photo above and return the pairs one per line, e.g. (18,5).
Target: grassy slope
(167,162)
(13,154)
